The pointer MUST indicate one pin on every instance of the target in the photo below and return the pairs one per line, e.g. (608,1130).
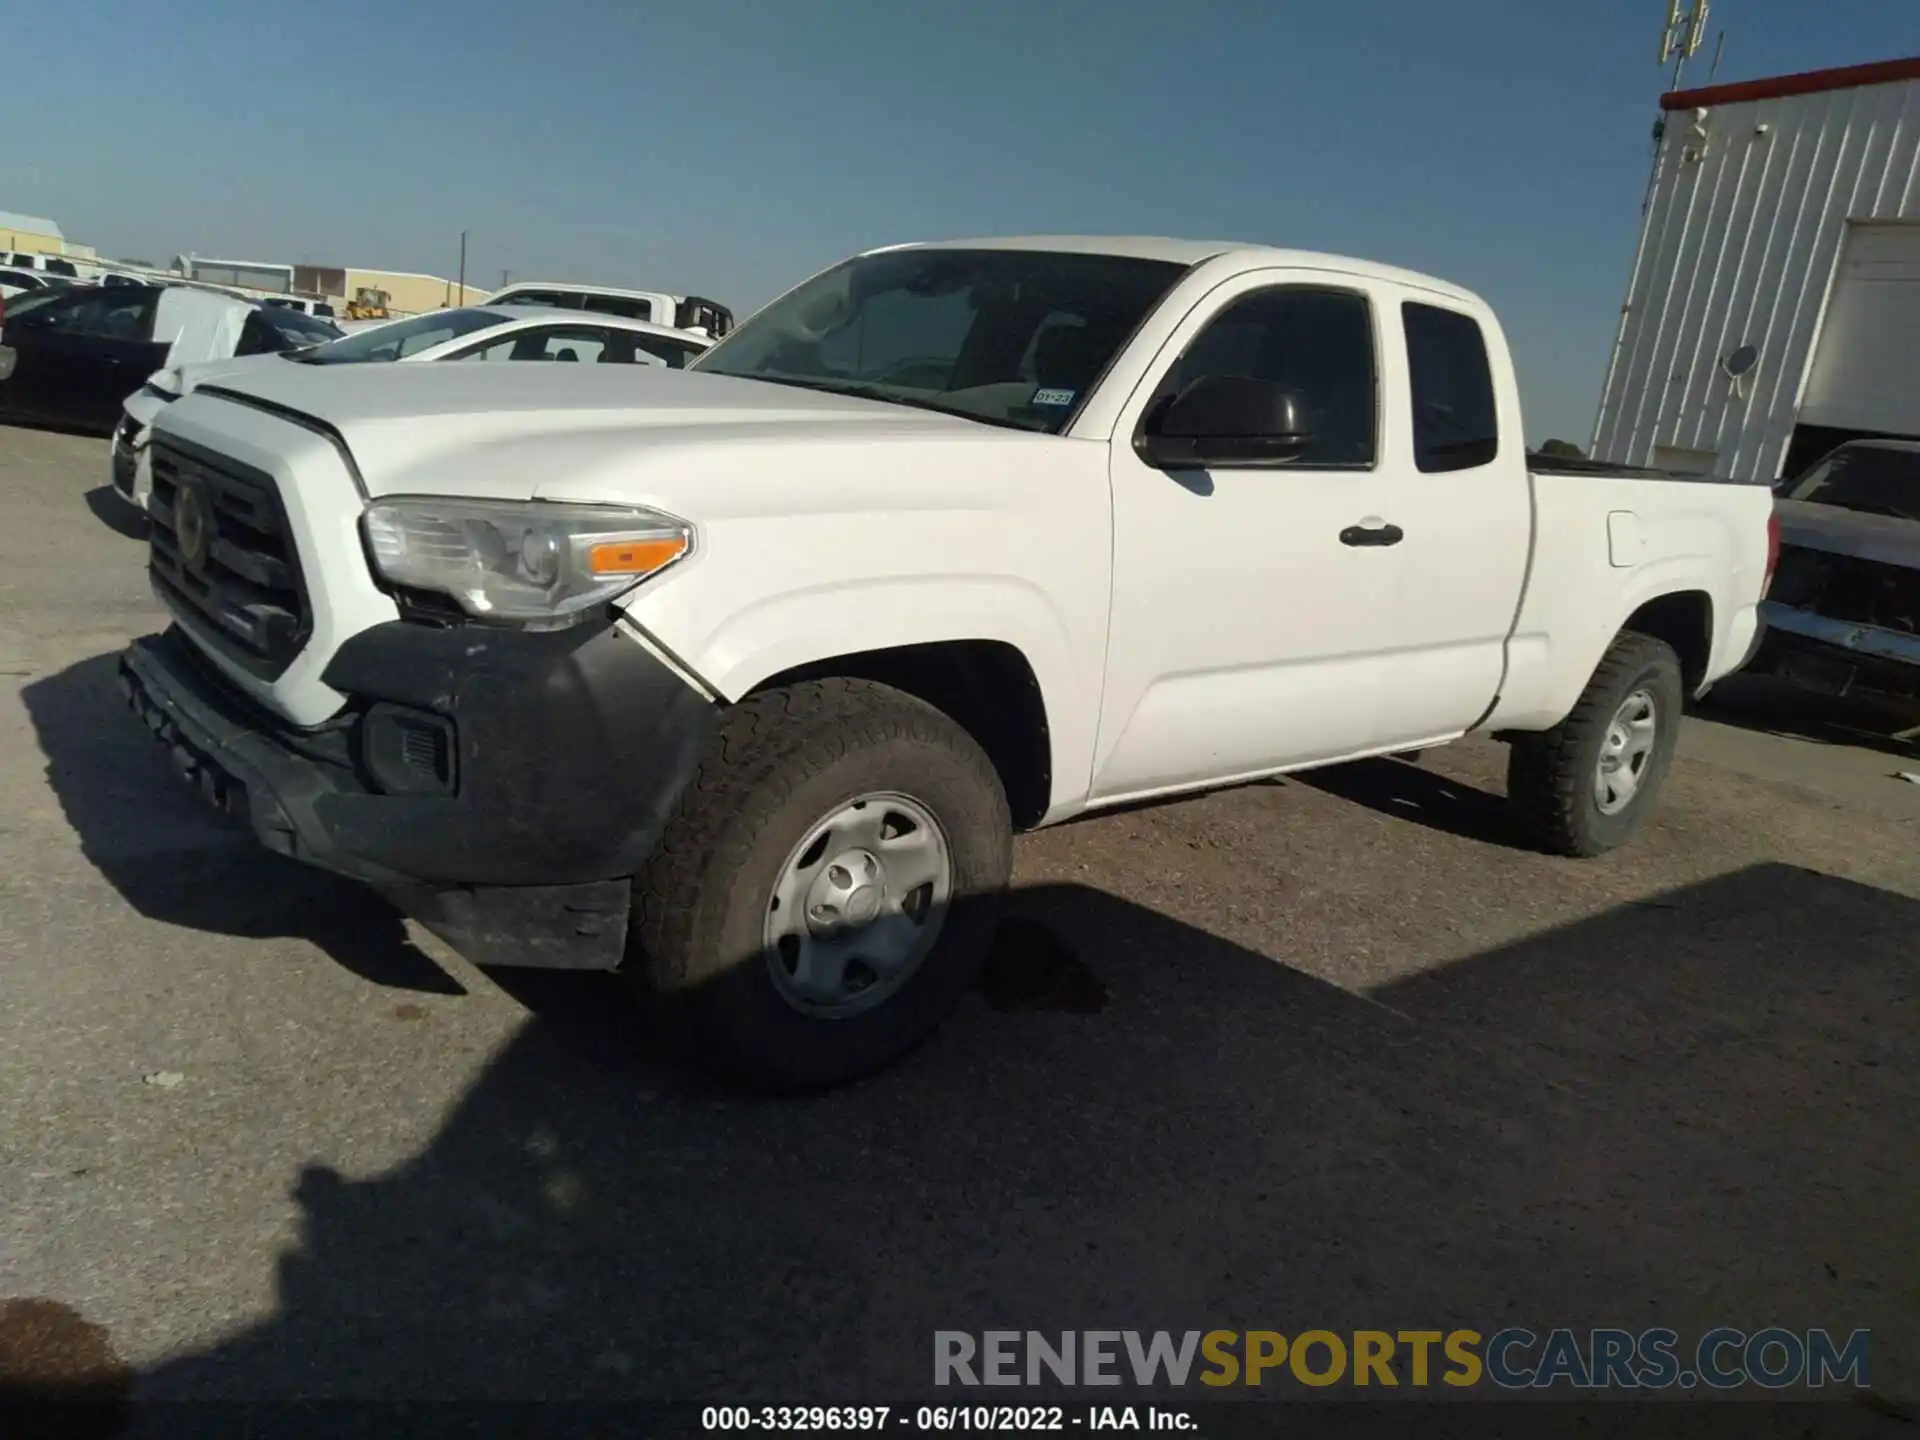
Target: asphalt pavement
(1331,1052)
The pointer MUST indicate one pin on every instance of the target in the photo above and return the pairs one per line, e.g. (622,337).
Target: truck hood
(1836,531)
(556,432)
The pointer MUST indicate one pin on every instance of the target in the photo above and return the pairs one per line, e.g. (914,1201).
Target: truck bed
(1603,470)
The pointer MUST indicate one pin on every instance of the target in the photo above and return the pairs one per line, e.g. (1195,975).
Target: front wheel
(829,890)
(1583,787)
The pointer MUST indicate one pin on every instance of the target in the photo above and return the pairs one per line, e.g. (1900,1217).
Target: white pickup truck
(741,678)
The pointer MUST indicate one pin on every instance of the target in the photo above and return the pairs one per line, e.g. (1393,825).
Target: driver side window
(1318,342)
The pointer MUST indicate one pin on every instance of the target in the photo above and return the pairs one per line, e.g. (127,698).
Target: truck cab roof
(1242,255)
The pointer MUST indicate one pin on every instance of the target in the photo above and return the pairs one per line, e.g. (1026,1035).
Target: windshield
(398,338)
(1871,479)
(1009,337)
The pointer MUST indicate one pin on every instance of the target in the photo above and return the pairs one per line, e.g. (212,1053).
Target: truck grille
(1861,592)
(222,555)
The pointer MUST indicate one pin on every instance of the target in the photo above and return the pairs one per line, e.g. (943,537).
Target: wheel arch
(1683,620)
(987,687)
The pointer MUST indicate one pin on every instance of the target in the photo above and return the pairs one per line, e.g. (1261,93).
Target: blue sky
(730,147)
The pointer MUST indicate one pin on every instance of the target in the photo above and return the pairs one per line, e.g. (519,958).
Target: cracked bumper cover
(565,755)
(1886,661)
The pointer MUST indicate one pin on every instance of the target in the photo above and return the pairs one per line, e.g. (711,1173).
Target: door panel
(103,372)
(40,384)
(1257,622)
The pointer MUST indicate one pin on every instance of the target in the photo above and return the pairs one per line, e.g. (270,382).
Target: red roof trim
(1809,82)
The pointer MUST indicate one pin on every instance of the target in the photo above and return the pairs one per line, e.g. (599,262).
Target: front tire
(1583,787)
(828,890)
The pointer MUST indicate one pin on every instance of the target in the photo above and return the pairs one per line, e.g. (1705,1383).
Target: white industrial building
(1774,309)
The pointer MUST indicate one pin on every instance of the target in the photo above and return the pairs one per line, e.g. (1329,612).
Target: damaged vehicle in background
(1843,616)
(72,361)
(471,333)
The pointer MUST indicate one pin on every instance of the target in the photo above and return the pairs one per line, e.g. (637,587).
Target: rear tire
(769,918)
(1583,787)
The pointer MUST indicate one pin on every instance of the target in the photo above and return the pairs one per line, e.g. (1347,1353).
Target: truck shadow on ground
(105,505)
(1406,791)
(1689,1114)
(175,859)
(1771,706)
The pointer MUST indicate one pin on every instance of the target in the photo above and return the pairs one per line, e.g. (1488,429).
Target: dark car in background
(1843,614)
(73,361)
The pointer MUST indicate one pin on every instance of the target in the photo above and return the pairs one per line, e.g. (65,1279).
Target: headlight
(521,561)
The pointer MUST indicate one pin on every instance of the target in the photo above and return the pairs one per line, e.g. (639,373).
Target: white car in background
(19,282)
(692,313)
(483,333)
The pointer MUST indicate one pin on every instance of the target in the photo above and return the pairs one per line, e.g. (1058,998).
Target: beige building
(30,235)
(407,293)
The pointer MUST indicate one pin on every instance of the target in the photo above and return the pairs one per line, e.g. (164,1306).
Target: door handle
(1373,532)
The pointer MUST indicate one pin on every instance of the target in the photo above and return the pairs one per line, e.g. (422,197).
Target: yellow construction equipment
(368,304)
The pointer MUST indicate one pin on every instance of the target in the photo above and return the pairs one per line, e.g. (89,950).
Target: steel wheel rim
(1626,752)
(857,905)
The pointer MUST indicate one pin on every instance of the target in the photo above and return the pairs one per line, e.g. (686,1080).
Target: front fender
(784,629)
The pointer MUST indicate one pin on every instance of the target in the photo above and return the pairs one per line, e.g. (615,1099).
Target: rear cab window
(629,306)
(1456,422)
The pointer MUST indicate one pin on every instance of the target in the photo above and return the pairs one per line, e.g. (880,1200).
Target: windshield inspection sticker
(1053,397)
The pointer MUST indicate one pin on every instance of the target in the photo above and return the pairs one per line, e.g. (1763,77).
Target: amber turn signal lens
(634,557)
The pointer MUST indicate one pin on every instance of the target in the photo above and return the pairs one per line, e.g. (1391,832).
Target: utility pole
(463,267)
(503,278)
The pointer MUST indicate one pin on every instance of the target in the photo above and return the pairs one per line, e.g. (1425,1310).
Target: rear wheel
(1583,787)
(829,889)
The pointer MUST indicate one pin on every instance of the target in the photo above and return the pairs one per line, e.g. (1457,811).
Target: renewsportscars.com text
(1513,1358)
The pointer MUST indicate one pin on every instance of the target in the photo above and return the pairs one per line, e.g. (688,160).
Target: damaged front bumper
(1837,656)
(502,788)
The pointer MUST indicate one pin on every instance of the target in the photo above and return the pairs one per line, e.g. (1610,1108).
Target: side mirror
(1226,422)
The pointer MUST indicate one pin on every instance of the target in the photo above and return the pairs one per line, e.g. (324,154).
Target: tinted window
(25,262)
(62,267)
(575,344)
(675,354)
(1455,423)
(25,279)
(122,313)
(618,305)
(948,330)
(1317,342)
(1871,479)
(257,336)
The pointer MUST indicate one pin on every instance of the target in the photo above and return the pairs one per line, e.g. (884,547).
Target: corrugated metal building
(267,275)
(1784,216)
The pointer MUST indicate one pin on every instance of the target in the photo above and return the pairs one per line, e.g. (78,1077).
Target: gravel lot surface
(1330,1052)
